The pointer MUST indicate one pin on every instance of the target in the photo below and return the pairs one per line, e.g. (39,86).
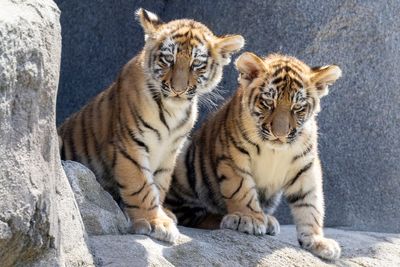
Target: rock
(229,248)
(104,220)
(100,213)
(359,143)
(40,224)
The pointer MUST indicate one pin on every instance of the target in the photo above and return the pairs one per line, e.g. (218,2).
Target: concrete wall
(360,120)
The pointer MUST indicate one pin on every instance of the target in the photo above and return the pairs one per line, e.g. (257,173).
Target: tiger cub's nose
(280,127)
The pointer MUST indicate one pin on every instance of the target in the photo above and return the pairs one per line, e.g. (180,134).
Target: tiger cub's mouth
(278,141)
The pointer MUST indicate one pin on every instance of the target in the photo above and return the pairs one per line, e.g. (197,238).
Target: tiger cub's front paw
(323,247)
(255,224)
(273,226)
(161,227)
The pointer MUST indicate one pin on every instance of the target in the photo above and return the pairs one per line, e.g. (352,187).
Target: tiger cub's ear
(250,66)
(149,21)
(227,45)
(324,76)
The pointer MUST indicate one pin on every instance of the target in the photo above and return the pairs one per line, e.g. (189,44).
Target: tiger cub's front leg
(244,210)
(141,198)
(162,179)
(305,198)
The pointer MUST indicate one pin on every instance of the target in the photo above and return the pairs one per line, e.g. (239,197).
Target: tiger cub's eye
(169,58)
(268,103)
(196,63)
(297,107)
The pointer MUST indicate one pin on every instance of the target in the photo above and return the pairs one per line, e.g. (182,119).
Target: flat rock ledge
(106,226)
(228,248)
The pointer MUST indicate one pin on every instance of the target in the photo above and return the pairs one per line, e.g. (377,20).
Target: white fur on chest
(157,151)
(160,149)
(270,168)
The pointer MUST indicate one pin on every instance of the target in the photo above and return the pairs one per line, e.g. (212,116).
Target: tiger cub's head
(282,93)
(183,57)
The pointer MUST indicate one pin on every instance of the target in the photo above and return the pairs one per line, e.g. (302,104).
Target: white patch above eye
(169,47)
(269,92)
(300,96)
(200,52)
(168,51)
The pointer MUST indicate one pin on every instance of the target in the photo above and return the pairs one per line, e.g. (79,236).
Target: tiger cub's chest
(270,168)
(164,146)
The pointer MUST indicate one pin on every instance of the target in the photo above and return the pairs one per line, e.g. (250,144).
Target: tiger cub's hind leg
(190,216)
(210,221)
(186,208)
(141,199)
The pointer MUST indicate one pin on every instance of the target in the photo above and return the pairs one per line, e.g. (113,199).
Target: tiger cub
(131,133)
(260,144)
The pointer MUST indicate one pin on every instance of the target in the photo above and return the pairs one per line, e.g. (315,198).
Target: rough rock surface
(228,248)
(214,248)
(100,213)
(359,142)
(40,224)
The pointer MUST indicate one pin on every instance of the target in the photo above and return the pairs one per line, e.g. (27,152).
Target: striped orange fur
(131,133)
(259,145)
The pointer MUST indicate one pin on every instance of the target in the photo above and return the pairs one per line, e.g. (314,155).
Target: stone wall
(40,224)
(359,124)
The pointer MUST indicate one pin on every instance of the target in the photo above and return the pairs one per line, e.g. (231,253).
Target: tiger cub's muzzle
(181,78)
(280,124)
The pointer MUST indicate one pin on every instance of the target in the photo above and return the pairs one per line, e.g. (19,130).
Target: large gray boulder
(100,213)
(359,123)
(40,224)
